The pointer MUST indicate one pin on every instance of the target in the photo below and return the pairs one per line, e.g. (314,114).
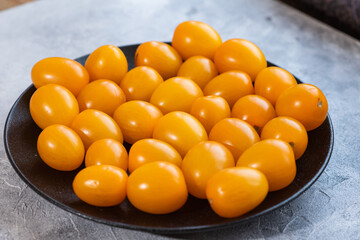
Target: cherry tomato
(103,95)
(193,38)
(180,130)
(53,104)
(176,94)
(93,125)
(235,191)
(210,110)
(304,102)
(101,185)
(157,188)
(274,158)
(237,135)
(160,56)
(231,85)
(272,81)
(107,62)
(199,69)
(60,148)
(240,54)
(62,71)
(107,151)
(255,110)
(140,82)
(201,162)
(150,150)
(137,119)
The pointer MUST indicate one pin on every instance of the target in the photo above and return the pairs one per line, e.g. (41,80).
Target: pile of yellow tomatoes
(204,117)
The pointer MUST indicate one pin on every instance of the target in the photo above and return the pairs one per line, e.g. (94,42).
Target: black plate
(20,137)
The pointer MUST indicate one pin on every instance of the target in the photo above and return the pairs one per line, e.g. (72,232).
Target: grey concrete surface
(314,52)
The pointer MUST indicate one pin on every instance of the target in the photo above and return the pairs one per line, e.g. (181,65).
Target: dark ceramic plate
(20,139)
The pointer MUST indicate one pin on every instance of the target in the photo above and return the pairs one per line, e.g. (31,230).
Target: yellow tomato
(180,130)
(157,188)
(63,71)
(60,148)
(107,62)
(176,94)
(53,104)
(101,185)
(107,151)
(201,162)
(137,119)
(150,150)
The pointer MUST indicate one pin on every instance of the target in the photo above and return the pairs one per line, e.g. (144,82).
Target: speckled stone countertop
(312,51)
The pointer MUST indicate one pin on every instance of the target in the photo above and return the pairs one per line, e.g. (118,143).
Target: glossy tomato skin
(157,188)
(180,130)
(272,81)
(107,62)
(201,162)
(103,95)
(160,56)
(62,71)
(304,102)
(194,38)
(107,151)
(150,150)
(209,110)
(53,104)
(289,130)
(275,158)
(137,119)
(176,94)
(93,125)
(140,82)
(230,85)
(60,148)
(199,69)
(235,191)
(101,185)
(240,54)
(237,135)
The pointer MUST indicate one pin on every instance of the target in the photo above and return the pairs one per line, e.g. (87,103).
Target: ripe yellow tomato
(237,135)
(272,81)
(180,130)
(103,95)
(101,185)
(157,188)
(194,38)
(176,94)
(209,110)
(235,191)
(289,130)
(255,110)
(304,102)
(93,125)
(107,151)
(160,56)
(150,150)
(240,54)
(140,82)
(275,158)
(137,119)
(230,85)
(63,71)
(199,69)
(60,148)
(53,104)
(201,162)
(107,62)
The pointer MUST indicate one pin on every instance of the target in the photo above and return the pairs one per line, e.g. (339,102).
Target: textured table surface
(312,51)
